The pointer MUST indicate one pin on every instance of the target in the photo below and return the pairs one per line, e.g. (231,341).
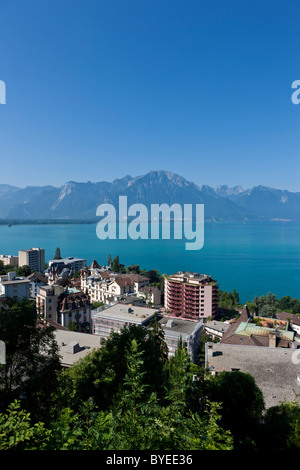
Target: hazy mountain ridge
(75,200)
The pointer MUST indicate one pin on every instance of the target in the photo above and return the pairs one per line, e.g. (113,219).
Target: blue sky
(99,89)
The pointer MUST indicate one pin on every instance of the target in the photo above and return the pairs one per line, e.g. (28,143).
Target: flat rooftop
(174,326)
(74,346)
(189,275)
(132,314)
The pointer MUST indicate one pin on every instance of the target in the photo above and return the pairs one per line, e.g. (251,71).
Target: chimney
(11,275)
(272,339)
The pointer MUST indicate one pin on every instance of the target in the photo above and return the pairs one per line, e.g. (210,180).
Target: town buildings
(109,288)
(10,260)
(106,319)
(256,331)
(191,295)
(34,258)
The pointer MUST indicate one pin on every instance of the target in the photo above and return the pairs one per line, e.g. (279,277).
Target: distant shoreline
(11,222)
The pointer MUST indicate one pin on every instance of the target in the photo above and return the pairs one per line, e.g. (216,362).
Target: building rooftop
(244,331)
(74,346)
(187,275)
(219,326)
(15,281)
(174,326)
(132,314)
(67,260)
(274,369)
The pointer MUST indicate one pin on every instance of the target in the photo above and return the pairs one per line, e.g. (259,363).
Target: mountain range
(77,200)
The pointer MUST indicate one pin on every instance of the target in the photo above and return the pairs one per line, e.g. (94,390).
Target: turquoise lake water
(254,258)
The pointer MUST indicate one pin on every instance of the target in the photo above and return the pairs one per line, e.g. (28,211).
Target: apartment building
(56,304)
(191,295)
(188,331)
(115,317)
(9,260)
(46,302)
(73,264)
(13,286)
(74,306)
(34,258)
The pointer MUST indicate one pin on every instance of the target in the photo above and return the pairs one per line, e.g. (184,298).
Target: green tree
(236,297)
(101,373)
(157,332)
(153,275)
(242,404)
(133,269)
(23,270)
(116,266)
(281,428)
(109,260)
(57,254)
(31,356)
(151,425)
(17,432)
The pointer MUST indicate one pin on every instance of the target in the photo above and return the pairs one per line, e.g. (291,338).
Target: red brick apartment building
(191,295)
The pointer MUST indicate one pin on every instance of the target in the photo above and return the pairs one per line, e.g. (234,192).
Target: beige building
(109,288)
(9,260)
(34,258)
(57,304)
(46,302)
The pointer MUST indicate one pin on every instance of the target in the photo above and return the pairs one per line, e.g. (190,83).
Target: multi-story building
(14,287)
(191,295)
(46,302)
(37,280)
(34,258)
(60,268)
(56,304)
(115,317)
(151,294)
(9,260)
(110,288)
(74,306)
(188,331)
(75,264)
